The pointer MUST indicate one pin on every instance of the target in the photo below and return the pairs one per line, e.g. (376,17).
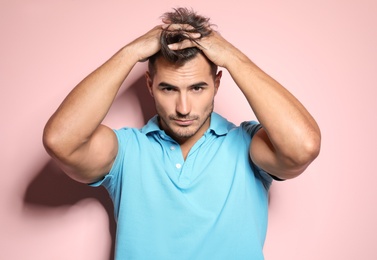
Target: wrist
(129,54)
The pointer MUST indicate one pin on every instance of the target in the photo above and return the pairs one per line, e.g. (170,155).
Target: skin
(290,138)
(184,98)
(85,149)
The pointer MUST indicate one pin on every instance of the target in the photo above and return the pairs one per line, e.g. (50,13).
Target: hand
(214,46)
(147,44)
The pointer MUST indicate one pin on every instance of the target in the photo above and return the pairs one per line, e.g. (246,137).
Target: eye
(168,89)
(197,88)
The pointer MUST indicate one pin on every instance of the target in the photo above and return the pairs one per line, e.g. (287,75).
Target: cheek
(163,105)
(206,102)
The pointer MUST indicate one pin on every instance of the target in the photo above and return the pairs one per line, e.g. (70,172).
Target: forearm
(85,107)
(291,129)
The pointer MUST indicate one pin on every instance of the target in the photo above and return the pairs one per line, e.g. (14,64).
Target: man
(189,184)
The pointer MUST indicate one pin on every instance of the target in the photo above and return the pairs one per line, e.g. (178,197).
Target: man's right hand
(146,45)
(149,44)
(74,136)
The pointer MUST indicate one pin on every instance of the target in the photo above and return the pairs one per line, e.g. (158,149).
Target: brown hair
(200,25)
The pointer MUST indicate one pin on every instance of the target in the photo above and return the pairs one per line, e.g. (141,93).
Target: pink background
(323,51)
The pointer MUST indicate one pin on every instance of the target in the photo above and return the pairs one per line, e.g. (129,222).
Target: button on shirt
(213,205)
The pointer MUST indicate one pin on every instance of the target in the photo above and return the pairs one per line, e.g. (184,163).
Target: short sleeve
(112,181)
(251,127)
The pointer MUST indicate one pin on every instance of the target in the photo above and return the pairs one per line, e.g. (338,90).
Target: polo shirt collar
(151,126)
(219,125)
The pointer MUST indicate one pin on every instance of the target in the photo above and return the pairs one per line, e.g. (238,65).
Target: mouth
(185,122)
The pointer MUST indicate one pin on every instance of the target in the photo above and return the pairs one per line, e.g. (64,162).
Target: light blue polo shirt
(213,205)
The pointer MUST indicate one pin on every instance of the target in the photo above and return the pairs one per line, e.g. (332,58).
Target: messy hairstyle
(200,25)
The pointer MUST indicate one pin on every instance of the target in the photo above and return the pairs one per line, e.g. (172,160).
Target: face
(184,97)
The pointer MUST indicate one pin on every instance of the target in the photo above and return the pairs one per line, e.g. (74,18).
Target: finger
(166,20)
(188,34)
(192,35)
(182,45)
(179,27)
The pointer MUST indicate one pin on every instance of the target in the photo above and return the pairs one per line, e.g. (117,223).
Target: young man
(189,184)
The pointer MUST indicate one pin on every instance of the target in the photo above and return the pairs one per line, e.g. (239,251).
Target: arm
(74,136)
(290,138)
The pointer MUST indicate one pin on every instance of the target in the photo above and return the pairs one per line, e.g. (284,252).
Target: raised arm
(74,136)
(290,138)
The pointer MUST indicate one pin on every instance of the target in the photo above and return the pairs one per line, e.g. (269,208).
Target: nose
(183,106)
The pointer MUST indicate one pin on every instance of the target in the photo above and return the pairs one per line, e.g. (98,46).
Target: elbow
(71,162)
(54,144)
(49,141)
(301,157)
(55,147)
(309,150)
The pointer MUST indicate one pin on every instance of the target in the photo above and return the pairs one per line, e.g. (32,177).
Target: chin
(184,134)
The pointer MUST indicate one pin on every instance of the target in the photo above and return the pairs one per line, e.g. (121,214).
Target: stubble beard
(181,133)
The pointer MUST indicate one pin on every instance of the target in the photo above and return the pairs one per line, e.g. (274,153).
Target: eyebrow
(199,84)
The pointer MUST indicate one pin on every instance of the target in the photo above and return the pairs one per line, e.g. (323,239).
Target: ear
(217,81)
(149,81)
